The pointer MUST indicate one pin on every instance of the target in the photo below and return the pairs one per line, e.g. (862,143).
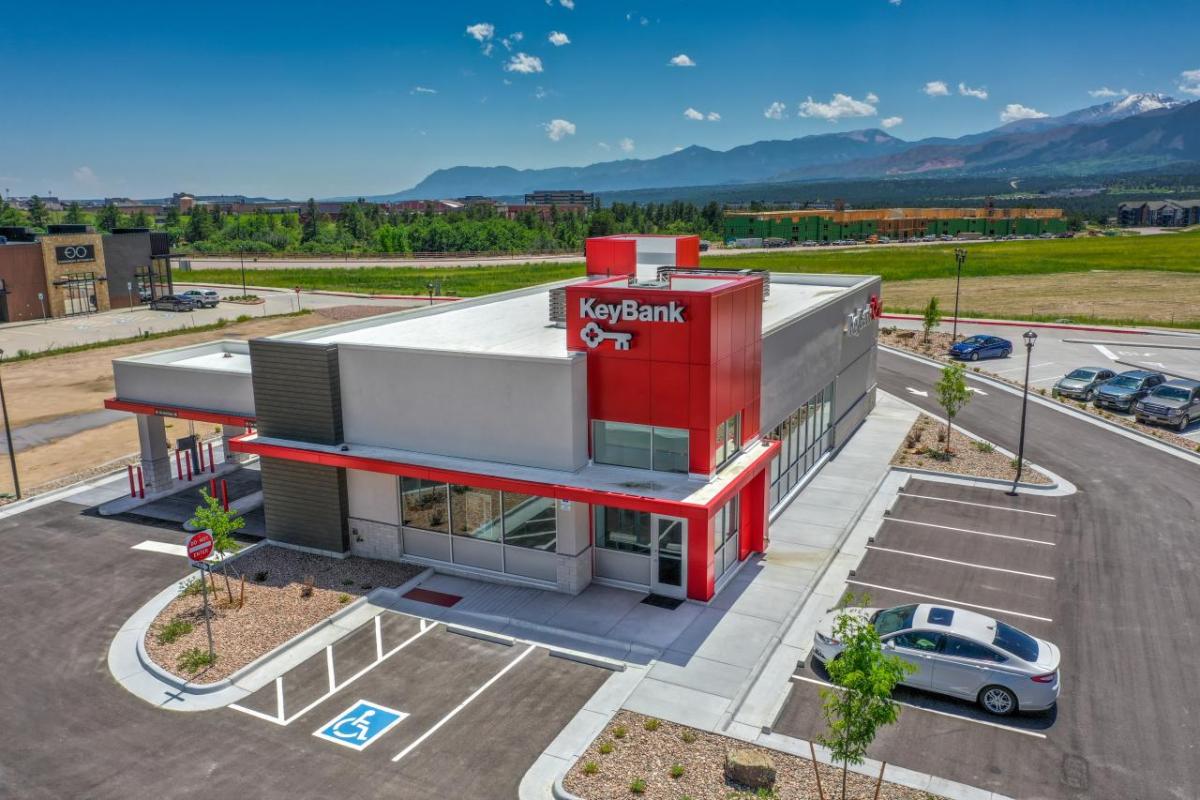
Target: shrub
(591,768)
(677,771)
(652,724)
(261,576)
(688,737)
(985,447)
(173,630)
(347,582)
(637,786)
(619,732)
(343,598)
(243,318)
(306,588)
(606,748)
(192,661)
(192,588)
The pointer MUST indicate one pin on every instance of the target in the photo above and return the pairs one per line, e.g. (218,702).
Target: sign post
(200,547)
(42,300)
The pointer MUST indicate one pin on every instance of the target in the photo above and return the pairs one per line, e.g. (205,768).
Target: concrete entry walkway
(245,494)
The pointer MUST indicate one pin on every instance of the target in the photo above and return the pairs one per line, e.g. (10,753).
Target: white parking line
(977,505)
(1022,368)
(968,530)
(1034,734)
(454,712)
(152,546)
(1104,351)
(948,600)
(960,563)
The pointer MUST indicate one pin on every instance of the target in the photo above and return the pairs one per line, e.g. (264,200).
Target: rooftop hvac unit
(558,307)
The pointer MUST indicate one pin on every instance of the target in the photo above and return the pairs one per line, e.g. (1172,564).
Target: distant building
(895,223)
(560,197)
(544,212)
(1159,213)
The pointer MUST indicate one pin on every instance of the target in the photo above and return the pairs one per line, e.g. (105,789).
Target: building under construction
(894,223)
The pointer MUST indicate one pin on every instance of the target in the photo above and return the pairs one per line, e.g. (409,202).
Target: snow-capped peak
(1140,103)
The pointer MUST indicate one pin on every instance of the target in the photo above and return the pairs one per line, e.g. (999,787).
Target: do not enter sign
(200,546)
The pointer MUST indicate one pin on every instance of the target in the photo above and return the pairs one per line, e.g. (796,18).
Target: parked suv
(171,302)
(1174,403)
(1123,391)
(203,298)
(1082,383)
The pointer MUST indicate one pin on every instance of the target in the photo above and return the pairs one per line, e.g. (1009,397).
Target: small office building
(637,427)
(73,270)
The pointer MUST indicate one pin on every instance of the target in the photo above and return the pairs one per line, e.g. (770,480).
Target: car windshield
(1017,642)
(1082,374)
(1171,393)
(1125,382)
(890,620)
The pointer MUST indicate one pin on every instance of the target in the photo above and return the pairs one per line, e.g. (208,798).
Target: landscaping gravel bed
(924,448)
(275,607)
(649,755)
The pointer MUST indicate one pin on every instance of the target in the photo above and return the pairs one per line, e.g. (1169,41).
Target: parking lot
(976,549)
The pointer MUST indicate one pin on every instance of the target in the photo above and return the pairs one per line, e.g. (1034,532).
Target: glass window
(733,435)
(622,529)
(529,521)
(424,505)
(719,529)
(670,450)
(895,619)
(475,512)
(621,443)
(964,648)
(1015,641)
(732,518)
(719,448)
(925,641)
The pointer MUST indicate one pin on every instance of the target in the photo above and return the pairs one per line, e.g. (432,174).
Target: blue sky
(309,98)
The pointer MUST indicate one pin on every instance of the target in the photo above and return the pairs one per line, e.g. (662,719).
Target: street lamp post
(1030,338)
(12,453)
(960,255)
(241,252)
(429,286)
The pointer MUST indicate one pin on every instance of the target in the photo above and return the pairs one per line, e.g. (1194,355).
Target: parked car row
(1150,396)
(186,301)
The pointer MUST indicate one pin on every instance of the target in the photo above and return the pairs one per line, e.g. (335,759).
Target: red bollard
(225,494)
(200,455)
(141,485)
(132,485)
(188,461)
(179,465)
(212,463)
(212,487)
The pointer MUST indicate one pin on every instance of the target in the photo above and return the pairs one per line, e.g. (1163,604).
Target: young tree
(310,229)
(108,217)
(38,215)
(863,703)
(952,395)
(140,220)
(222,525)
(74,214)
(932,317)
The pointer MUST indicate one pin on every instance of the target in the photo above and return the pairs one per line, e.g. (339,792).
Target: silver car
(962,654)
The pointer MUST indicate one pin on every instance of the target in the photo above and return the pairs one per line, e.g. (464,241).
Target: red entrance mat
(432,597)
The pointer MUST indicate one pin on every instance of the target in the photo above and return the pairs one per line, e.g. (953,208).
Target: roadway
(1126,594)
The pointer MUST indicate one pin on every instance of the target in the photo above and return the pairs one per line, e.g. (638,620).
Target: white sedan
(962,654)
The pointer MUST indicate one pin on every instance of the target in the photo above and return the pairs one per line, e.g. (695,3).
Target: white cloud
(423,90)
(676,148)
(556,129)
(524,64)
(626,145)
(1015,111)
(936,89)
(1189,81)
(1104,91)
(712,116)
(842,105)
(776,110)
(483,32)
(895,2)
(682,60)
(692,113)
(872,98)
(568,4)
(85,176)
(643,21)
(511,39)
(891,122)
(604,145)
(558,38)
(966,91)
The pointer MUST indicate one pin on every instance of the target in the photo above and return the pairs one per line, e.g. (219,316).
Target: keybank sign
(630,311)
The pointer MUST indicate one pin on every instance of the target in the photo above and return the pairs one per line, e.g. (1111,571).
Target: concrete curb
(1130,433)
(1062,326)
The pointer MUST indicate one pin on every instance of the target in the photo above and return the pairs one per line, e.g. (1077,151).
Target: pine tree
(74,214)
(108,218)
(310,229)
(38,215)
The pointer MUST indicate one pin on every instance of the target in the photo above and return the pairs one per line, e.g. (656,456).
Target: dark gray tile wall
(305,504)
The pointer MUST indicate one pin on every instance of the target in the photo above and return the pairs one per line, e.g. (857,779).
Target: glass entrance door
(668,557)
(79,289)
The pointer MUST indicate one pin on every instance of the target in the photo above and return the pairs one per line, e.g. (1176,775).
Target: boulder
(751,768)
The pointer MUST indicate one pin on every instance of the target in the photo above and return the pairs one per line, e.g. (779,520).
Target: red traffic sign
(200,546)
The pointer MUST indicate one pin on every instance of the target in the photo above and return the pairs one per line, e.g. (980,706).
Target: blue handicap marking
(360,724)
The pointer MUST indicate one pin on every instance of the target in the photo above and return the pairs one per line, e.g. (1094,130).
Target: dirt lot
(925,448)
(275,607)
(649,755)
(1136,295)
(45,389)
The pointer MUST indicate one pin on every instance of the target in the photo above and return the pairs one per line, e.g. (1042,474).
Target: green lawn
(1178,252)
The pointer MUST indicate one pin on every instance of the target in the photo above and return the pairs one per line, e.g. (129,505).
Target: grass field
(1167,253)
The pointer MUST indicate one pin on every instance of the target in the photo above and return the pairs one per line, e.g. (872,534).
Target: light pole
(429,286)
(1030,338)
(960,255)
(241,252)
(12,453)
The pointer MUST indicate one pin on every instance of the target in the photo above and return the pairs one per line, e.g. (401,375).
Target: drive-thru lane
(1124,563)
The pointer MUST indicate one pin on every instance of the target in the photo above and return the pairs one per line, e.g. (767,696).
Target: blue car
(974,348)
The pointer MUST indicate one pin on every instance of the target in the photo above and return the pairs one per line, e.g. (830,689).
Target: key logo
(592,335)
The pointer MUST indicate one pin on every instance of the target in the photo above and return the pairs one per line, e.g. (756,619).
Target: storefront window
(475,512)
(804,436)
(728,440)
(670,450)
(622,529)
(621,444)
(529,521)
(424,505)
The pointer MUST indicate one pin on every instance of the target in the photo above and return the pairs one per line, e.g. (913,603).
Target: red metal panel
(626,393)
(670,395)
(701,575)
(687,251)
(179,412)
(700,401)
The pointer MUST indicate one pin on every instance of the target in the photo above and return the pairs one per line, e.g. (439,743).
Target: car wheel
(1005,353)
(1183,424)
(1089,396)
(998,700)
(974,355)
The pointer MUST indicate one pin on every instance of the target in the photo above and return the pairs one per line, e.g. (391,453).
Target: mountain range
(1139,131)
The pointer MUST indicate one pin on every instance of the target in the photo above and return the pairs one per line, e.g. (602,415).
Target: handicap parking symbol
(360,724)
